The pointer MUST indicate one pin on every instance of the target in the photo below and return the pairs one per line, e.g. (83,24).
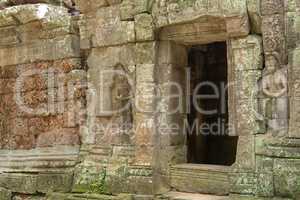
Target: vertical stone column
(118,38)
(292,32)
(245,57)
(172,97)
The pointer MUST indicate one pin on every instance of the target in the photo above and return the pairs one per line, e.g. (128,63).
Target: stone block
(243,183)
(145,97)
(254,11)
(192,33)
(247,118)
(86,176)
(198,179)
(294,60)
(130,8)
(265,185)
(171,127)
(112,56)
(144,27)
(5,194)
(246,83)
(54,183)
(20,183)
(277,146)
(171,54)
(270,7)
(113,2)
(247,53)
(9,36)
(145,52)
(53,49)
(141,185)
(245,155)
(294,122)
(290,5)
(286,177)
(273,34)
(292,29)
(52,16)
(237,26)
(114,34)
(144,155)
(8,72)
(170,94)
(29,197)
(104,28)
(145,73)
(62,136)
(86,6)
(264,164)
(170,156)
(7,86)
(145,129)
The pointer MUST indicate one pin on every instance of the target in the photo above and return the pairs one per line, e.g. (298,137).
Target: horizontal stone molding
(54,159)
(43,50)
(207,29)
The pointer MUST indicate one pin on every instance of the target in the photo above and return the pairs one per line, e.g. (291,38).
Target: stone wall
(62,75)
(40,70)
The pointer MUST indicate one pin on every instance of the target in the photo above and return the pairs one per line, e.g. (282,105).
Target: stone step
(193,196)
(205,179)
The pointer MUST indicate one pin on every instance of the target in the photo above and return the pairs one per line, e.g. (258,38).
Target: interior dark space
(207,138)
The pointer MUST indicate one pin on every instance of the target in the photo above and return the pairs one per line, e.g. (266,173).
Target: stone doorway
(208,141)
(206,173)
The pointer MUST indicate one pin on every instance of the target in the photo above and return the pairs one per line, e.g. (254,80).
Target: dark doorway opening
(207,136)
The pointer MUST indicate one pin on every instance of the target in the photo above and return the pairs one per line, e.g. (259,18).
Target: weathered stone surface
(21,183)
(115,34)
(292,29)
(52,49)
(269,7)
(144,27)
(197,179)
(54,183)
(64,196)
(294,117)
(5,194)
(54,160)
(243,183)
(111,56)
(286,177)
(90,5)
(104,28)
(47,15)
(29,197)
(247,53)
(245,158)
(273,37)
(145,53)
(254,11)
(274,146)
(130,8)
(87,175)
(248,123)
(265,185)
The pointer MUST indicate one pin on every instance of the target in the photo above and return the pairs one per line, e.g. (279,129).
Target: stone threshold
(197,178)
(193,196)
